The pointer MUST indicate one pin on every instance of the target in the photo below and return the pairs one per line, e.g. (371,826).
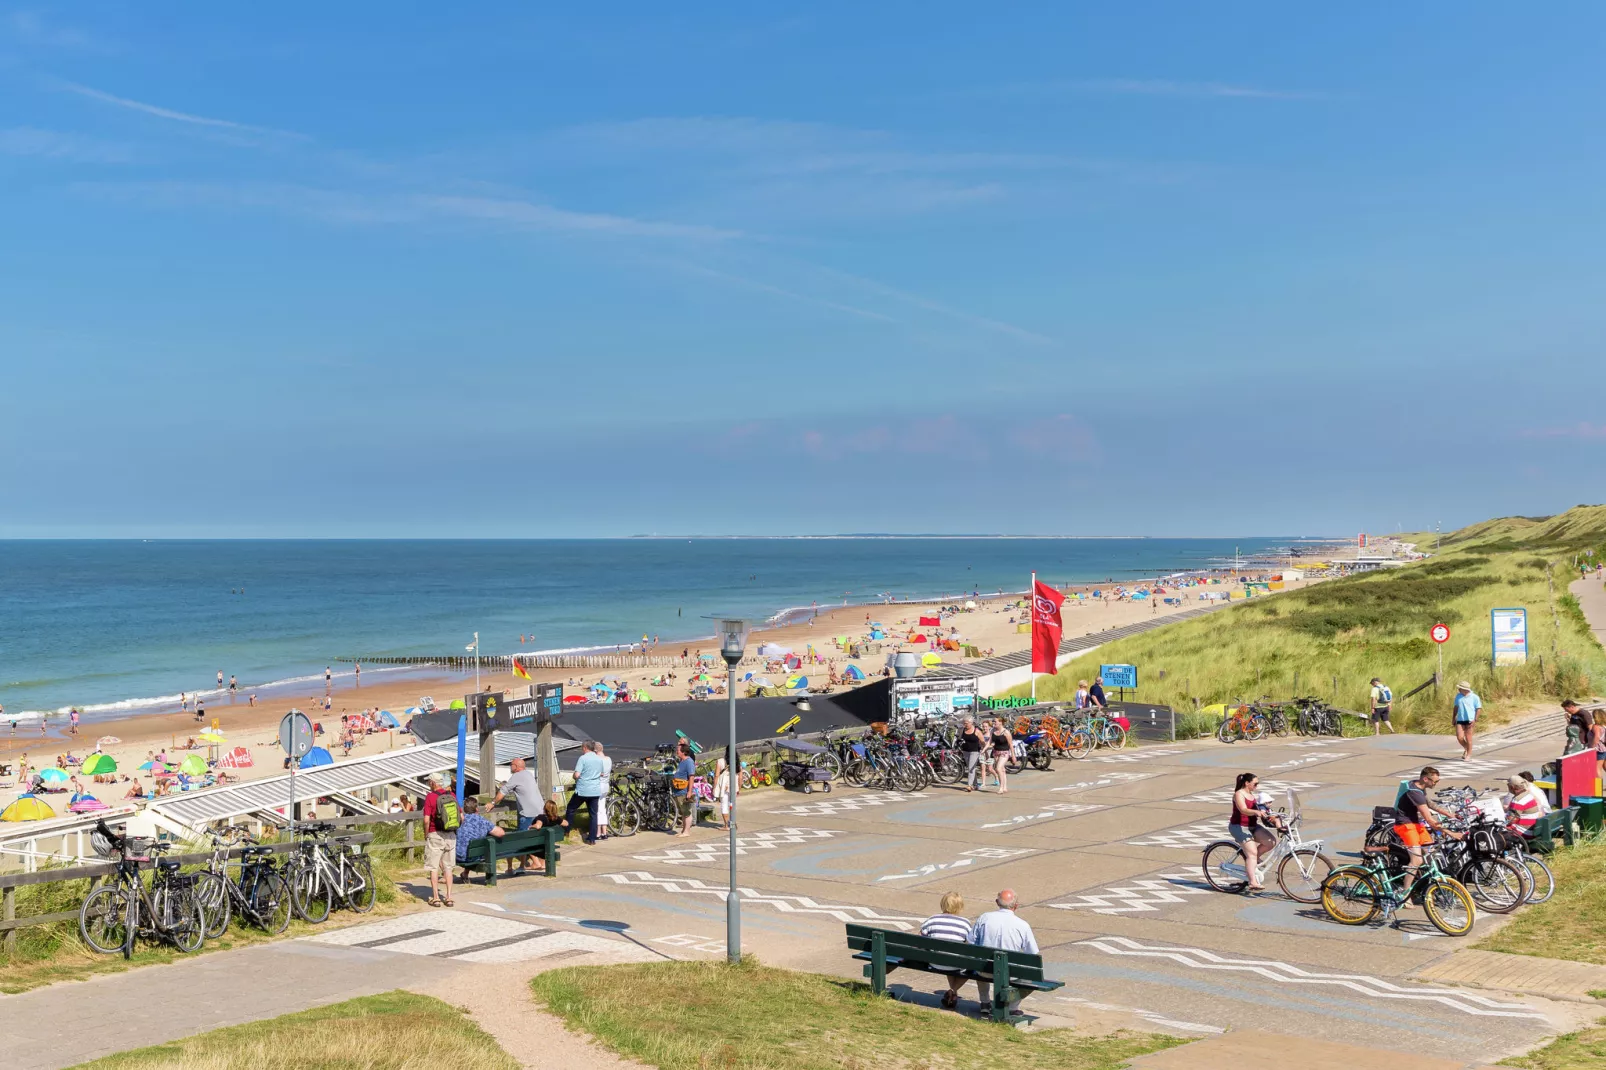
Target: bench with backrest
(1559,822)
(485,852)
(1013,974)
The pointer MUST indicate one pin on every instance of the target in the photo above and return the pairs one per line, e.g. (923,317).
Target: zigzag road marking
(843,803)
(1313,743)
(785,904)
(1458,769)
(1283,973)
(714,850)
(1154,1017)
(1311,759)
(1143,896)
(1196,836)
(1050,811)
(1224,795)
(966,858)
(1107,780)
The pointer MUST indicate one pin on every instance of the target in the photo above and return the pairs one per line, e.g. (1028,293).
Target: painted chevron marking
(1224,795)
(1052,810)
(1154,1017)
(1140,756)
(1311,759)
(1108,780)
(1284,973)
(713,850)
(966,858)
(839,804)
(1141,896)
(1195,836)
(785,904)
(1457,769)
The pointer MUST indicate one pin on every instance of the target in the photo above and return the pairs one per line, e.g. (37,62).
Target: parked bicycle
(322,874)
(114,915)
(1384,882)
(259,895)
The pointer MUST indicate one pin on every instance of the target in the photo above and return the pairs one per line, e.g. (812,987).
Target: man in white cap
(1467,706)
(441,818)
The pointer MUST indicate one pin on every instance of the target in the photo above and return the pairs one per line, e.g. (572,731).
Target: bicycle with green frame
(1096,731)
(1383,883)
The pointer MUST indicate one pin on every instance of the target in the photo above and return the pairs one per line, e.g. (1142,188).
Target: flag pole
(1031,600)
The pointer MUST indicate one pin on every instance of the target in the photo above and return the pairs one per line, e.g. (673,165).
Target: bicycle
(1245,722)
(1301,866)
(260,894)
(1355,894)
(114,915)
(319,872)
(1096,730)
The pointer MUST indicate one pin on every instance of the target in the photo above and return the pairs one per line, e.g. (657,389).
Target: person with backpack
(1382,699)
(442,816)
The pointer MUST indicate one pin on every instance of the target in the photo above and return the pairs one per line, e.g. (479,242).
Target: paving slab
(1517,973)
(1256,1047)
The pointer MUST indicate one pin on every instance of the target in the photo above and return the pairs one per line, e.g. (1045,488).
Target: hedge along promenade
(1376,624)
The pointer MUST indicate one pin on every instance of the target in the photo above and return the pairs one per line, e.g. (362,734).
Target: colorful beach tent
(457,704)
(96,764)
(315,757)
(854,673)
(238,758)
(388,719)
(192,765)
(797,681)
(414,711)
(27,808)
(86,804)
(931,659)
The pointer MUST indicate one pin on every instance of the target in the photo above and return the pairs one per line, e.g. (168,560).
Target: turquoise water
(114,626)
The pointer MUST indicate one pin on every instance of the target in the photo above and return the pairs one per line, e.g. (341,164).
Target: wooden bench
(1014,974)
(1542,836)
(485,852)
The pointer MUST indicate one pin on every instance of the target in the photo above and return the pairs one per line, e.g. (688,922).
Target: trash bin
(1591,810)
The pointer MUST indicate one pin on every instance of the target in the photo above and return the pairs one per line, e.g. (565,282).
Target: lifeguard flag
(520,671)
(1046,628)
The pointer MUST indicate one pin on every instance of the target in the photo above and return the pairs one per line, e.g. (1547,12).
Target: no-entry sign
(1439,633)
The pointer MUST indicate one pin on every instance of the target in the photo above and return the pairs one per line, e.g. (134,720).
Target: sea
(125,626)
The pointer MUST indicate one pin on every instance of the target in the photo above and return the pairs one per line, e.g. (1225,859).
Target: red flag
(1046,628)
(520,671)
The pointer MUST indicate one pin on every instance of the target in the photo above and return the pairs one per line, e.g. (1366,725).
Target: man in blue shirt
(474,826)
(685,791)
(1467,705)
(588,773)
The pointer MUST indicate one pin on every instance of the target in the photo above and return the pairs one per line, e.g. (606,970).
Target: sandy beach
(991,627)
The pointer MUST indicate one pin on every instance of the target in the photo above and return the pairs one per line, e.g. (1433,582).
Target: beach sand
(991,626)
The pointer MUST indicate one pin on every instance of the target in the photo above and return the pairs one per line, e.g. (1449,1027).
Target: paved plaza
(1104,856)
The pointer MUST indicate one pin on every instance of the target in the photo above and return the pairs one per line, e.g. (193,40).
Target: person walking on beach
(72,715)
(1467,705)
(233,684)
(1382,699)
(587,789)
(441,819)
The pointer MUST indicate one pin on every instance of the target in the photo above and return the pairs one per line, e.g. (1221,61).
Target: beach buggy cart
(806,769)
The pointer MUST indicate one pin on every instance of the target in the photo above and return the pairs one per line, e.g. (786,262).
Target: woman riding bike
(1244,825)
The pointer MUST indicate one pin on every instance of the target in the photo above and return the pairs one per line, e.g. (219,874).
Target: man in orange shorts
(1418,824)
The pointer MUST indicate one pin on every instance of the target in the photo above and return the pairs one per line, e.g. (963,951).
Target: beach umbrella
(53,775)
(388,719)
(27,808)
(210,736)
(315,757)
(414,711)
(96,764)
(106,741)
(457,704)
(86,804)
(193,765)
(931,659)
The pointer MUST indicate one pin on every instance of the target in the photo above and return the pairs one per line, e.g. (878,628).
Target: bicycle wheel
(827,760)
(309,894)
(1229,730)
(1542,882)
(212,892)
(1224,868)
(950,767)
(1301,874)
(1279,723)
(269,898)
(103,919)
(179,918)
(905,777)
(624,816)
(1497,885)
(1332,723)
(1350,896)
(1114,736)
(856,772)
(1079,744)
(1255,727)
(1450,907)
(1039,758)
(363,897)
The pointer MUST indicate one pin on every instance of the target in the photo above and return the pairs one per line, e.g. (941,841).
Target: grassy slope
(1377,624)
(692,1015)
(393,1031)
(1583,1050)
(1572,925)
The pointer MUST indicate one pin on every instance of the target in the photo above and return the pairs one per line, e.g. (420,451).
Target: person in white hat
(1467,707)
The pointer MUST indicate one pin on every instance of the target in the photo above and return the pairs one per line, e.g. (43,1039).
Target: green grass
(1583,1050)
(1572,925)
(46,954)
(1331,638)
(393,1031)
(695,1015)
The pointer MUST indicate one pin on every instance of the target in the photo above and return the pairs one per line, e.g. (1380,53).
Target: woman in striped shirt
(1525,806)
(949,925)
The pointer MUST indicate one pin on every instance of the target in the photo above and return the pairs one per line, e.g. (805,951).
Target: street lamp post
(732,641)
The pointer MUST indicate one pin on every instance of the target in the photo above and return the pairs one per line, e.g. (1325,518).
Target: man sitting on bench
(475,827)
(1003,930)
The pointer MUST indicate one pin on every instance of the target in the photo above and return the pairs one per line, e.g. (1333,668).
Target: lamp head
(732,637)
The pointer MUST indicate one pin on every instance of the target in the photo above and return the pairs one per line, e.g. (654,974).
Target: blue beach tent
(315,757)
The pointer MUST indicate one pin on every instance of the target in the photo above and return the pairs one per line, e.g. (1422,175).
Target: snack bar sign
(1509,629)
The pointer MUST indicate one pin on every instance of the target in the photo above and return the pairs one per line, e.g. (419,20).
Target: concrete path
(1104,854)
(1591,595)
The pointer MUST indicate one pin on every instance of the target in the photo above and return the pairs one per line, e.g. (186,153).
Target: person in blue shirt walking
(588,773)
(1467,706)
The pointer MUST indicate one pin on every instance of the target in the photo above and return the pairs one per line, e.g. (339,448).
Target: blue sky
(1172,269)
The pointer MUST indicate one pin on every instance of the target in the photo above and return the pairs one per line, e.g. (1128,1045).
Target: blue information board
(1119,676)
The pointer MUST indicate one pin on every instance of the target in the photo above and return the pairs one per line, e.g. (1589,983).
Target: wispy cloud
(545,217)
(30,28)
(748,282)
(916,300)
(1580,430)
(166,113)
(54,145)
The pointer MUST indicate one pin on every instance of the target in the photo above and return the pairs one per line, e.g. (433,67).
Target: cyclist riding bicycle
(1244,825)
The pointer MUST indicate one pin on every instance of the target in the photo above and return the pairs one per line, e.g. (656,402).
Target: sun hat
(1463,686)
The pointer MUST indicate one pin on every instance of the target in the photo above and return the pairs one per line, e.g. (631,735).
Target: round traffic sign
(295,734)
(1439,633)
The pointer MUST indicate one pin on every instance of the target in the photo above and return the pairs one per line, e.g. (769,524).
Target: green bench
(485,852)
(1542,836)
(1014,974)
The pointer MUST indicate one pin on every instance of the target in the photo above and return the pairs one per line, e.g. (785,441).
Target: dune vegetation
(1331,638)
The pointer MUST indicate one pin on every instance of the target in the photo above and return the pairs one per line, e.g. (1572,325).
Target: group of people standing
(987,750)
